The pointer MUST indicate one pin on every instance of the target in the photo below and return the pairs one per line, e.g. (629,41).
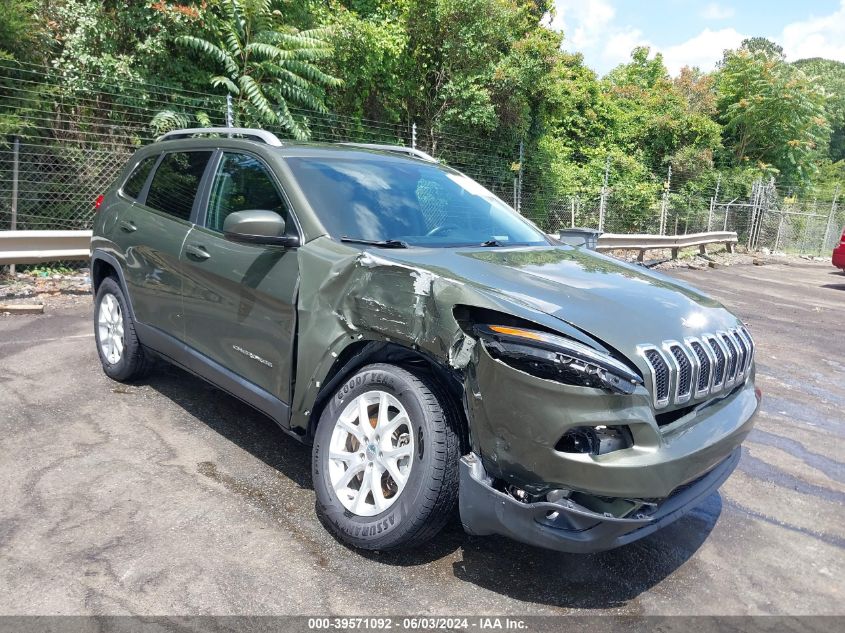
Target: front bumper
(517,419)
(565,526)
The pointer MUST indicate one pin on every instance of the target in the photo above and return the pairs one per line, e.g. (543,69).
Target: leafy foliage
(265,66)
(771,112)
(477,77)
(830,75)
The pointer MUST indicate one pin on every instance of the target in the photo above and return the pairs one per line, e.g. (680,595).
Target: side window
(242,183)
(175,183)
(133,185)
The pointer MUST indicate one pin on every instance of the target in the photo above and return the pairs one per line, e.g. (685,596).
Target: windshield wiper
(379,243)
(492,243)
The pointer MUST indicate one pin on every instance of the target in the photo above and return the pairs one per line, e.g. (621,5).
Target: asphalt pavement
(171,497)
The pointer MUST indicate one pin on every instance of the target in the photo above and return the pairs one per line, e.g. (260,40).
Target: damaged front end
(567,525)
(564,447)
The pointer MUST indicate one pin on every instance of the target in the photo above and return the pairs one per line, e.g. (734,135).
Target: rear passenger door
(152,233)
(240,299)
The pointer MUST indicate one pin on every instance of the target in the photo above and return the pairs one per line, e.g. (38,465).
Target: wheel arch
(103,266)
(362,353)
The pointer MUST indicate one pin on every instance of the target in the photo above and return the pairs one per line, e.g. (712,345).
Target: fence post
(230,118)
(710,214)
(780,229)
(713,203)
(572,211)
(603,199)
(755,196)
(414,135)
(829,219)
(16,148)
(664,202)
(519,178)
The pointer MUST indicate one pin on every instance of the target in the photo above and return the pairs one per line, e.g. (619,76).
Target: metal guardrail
(643,243)
(35,247)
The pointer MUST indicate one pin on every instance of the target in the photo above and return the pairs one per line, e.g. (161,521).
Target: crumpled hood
(620,304)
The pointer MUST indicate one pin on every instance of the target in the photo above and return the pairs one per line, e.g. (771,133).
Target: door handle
(197,252)
(128,226)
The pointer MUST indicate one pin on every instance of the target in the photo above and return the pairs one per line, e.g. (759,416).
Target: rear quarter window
(138,178)
(176,182)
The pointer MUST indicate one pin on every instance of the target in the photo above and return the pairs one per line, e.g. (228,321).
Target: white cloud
(715,11)
(702,50)
(816,37)
(591,27)
(588,27)
(583,22)
(619,43)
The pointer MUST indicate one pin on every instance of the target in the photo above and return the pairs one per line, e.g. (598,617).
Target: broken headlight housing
(557,358)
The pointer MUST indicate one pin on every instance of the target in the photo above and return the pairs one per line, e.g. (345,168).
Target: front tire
(121,354)
(385,459)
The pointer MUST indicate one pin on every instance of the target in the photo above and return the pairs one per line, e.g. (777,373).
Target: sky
(695,32)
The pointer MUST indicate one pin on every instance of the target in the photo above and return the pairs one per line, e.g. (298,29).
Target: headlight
(557,358)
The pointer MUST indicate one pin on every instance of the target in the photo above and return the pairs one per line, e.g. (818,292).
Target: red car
(839,253)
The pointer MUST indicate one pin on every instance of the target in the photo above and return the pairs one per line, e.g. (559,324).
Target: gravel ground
(170,497)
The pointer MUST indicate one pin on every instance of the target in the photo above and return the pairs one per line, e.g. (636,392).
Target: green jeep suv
(434,348)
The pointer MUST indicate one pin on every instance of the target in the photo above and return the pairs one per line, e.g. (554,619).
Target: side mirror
(257,227)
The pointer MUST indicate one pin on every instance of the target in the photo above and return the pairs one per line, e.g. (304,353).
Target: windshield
(418,203)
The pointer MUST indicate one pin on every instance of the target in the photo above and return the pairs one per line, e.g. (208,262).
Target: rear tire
(121,354)
(405,482)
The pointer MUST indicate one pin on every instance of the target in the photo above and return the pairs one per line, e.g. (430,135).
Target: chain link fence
(61,146)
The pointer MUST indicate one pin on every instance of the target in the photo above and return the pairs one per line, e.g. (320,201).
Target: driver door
(239,300)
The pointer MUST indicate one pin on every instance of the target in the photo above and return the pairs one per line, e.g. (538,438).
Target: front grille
(743,350)
(719,371)
(732,358)
(684,367)
(697,367)
(705,367)
(660,375)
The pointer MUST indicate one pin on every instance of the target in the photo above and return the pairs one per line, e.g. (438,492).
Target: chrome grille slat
(683,369)
(744,332)
(743,353)
(698,367)
(730,370)
(721,362)
(704,374)
(660,375)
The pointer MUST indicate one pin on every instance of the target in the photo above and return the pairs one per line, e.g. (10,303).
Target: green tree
(453,49)
(266,65)
(369,41)
(22,33)
(653,118)
(830,75)
(698,90)
(772,113)
(763,45)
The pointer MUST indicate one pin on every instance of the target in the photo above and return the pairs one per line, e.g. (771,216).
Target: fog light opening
(595,440)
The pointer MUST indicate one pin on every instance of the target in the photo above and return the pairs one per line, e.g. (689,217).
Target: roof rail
(243,132)
(395,149)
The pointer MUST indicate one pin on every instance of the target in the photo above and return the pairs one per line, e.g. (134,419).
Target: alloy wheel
(110,328)
(371,453)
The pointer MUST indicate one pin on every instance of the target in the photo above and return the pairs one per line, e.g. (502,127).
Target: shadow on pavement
(237,422)
(592,581)
(586,581)
(579,581)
